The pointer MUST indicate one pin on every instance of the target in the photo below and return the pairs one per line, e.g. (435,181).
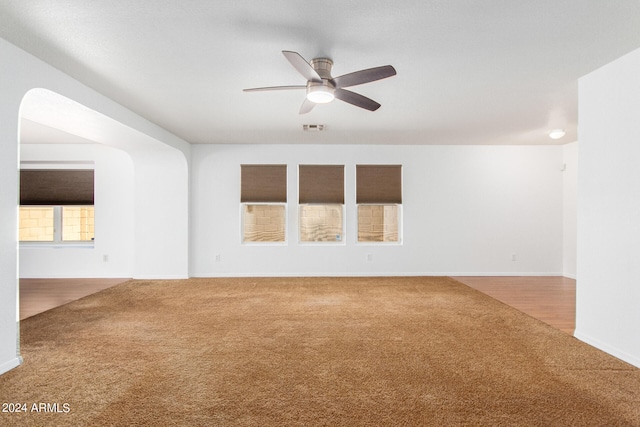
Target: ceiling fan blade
(307,106)
(356,99)
(364,76)
(259,89)
(303,67)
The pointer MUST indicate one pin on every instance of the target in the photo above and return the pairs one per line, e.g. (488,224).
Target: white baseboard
(371,274)
(615,352)
(502,274)
(75,276)
(312,274)
(159,277)
(10,364)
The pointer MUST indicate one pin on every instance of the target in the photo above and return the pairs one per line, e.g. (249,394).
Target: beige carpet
(309,352)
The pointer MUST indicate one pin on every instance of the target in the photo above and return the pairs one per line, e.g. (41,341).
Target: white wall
(9,114)
(608,287)
(160,250)
(114,215)
(569,210)
(160,174)
(466,211)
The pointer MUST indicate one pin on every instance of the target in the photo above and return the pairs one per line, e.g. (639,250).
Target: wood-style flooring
(549,299)
(38,295)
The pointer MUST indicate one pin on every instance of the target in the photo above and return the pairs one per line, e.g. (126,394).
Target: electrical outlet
(105,258)
(217,257)
(514,257)
(369,257)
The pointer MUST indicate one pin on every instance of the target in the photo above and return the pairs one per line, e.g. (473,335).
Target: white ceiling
(469,71)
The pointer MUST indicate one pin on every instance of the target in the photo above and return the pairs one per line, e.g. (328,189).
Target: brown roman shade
(321,184)
(378,184)
(263,183)
(56,187)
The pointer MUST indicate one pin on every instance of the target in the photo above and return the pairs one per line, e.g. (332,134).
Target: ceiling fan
(322,88)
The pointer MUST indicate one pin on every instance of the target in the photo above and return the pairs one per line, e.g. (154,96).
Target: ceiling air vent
(313,128)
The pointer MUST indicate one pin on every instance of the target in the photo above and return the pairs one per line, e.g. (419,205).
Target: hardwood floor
(549,299)
(38,295)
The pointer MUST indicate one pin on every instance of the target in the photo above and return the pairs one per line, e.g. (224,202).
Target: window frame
(266,184)
(395,199)
(57,242)
(309,194)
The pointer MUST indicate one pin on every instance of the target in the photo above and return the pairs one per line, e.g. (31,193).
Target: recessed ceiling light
(556,133)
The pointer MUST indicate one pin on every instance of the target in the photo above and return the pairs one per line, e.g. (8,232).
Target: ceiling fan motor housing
(323,67)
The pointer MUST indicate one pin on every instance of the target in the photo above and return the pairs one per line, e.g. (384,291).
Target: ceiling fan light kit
(320,93)
(322,88)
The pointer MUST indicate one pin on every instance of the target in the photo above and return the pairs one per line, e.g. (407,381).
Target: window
(56,206)
(379,200)
(378,223)
(321,199)
(77,223)
(263,222)
(263,197)
(36,224)
(57,224)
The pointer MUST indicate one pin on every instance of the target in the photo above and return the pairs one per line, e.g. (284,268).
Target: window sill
(323,243)
(379,243)
(57,245)
(250,243)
